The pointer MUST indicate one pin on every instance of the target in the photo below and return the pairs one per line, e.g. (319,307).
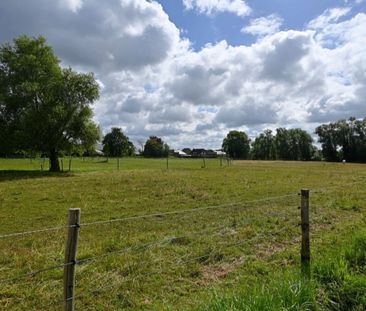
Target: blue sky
(202,29)
(189,71)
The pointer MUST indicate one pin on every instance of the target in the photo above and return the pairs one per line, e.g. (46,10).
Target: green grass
(223,249)
(338,283)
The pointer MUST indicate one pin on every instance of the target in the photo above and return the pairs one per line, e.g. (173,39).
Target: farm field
(234,226)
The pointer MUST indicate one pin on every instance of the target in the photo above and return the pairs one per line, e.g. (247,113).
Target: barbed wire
(179,262)
(17,234)
(145,246)
(159,271)
(191,210)
(216,230)
(128,218)
(34,273)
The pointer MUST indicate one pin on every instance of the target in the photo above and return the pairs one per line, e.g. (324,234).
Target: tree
(328,140)
(264,147)
(236,145)
(294,144)
(116,144)
(43,107)
(155,147)
(344,139)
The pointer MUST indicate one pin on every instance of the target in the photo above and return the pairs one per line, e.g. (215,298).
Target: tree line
(340,140)
(285,144)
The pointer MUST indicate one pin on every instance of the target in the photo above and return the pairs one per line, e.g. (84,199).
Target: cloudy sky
(191,70)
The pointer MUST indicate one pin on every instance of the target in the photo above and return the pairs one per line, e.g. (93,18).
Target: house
(198,153)
(203,153)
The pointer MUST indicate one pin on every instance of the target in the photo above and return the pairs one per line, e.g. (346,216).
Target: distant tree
(344,139)
(328,139)
(117,144)
(264,147)
(282,142)
(293,144)
(155,147)
(43,107)
(236,145)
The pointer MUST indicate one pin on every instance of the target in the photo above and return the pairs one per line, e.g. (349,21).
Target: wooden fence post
(70,258)
(118,164)
(305,231)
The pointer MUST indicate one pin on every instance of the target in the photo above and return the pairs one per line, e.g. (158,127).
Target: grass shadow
(6,175)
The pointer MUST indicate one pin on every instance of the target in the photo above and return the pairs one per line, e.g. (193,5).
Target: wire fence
(168,240)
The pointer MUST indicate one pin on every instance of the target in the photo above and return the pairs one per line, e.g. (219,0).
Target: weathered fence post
(70,258)
(305,231)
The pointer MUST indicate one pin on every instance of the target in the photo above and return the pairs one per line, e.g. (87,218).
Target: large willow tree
(43,107)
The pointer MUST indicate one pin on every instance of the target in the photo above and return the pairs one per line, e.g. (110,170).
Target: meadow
(214,237)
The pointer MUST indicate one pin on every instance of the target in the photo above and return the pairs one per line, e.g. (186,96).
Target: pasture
(235,226)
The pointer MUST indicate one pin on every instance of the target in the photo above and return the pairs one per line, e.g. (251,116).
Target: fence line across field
(144,246)
(191,210)
(177,263)
(74,226)
(144,216)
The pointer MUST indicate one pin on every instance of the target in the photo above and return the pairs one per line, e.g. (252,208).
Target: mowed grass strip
(198,250)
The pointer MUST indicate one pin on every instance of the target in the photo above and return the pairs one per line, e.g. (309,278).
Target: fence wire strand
(17,234)
(34,273)
(191,210)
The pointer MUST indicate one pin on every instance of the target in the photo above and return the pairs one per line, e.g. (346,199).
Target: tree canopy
(264,146)
(155,147)
(44,107)
(344,139)
(236,145)
(117,144)
(287,144)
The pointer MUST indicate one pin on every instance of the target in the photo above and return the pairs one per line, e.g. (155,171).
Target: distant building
(187,150)
(181,154)
(198,153)
(203,153)
(220,153)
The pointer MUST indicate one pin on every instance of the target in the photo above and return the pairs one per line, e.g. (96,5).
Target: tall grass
(338,283)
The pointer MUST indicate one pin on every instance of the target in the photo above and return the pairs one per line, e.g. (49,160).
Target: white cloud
(329,16)
(210,7)
(155,84)
(73,5)
(264,25)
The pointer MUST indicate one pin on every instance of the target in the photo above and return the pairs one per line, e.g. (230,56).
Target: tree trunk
(54,163)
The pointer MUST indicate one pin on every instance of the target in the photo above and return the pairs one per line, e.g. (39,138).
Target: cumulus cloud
(112,36)
(154,83)
(210,7)
(329,16)
(264,25)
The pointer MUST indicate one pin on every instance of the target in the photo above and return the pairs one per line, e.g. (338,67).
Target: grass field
(249,236)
